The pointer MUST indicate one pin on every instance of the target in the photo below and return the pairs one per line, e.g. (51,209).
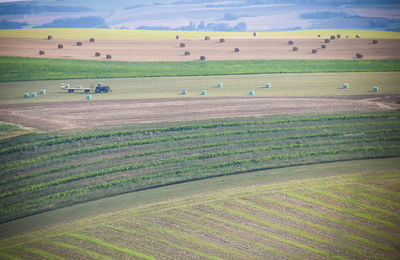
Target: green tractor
(102,89)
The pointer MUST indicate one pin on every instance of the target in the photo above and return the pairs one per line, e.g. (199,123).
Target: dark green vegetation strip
(20,69)
(36,176)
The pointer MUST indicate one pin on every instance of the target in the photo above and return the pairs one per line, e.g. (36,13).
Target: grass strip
(129,156)
(82,251)
(182,159)
(111,246)
(178,138)
(43,254)
(24,69)
(353,212)
(60,140)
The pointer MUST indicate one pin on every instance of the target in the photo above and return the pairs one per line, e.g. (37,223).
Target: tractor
(101,88)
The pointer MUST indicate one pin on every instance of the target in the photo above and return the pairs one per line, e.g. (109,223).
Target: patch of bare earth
(89,114)
(171,50)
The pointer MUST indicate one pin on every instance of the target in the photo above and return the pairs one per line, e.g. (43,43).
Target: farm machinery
(100,88)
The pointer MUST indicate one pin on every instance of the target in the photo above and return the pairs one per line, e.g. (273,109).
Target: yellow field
(117,34)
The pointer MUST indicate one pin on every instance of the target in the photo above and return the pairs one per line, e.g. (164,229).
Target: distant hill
(203,15)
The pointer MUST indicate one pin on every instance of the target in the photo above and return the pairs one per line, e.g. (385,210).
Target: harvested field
(75,115)
(168,50)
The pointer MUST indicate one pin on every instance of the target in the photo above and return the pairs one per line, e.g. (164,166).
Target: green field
(115,34)
(331,217)
(44,171)
(27,69)
(290,84)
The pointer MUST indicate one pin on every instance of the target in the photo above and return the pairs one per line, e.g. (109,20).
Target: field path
(78,115)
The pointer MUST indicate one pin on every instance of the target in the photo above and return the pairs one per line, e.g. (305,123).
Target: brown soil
(170,50)
(88,114)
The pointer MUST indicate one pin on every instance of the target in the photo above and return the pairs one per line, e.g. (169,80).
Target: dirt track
(170,50)
(75,115)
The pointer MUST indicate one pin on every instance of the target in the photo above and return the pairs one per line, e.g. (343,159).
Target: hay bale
(184,92)
(42,92)
(182,45)
(108,56)
(268,85)
(202,57)
(91,40)
(290,42)
(236,50)
(60,46)
(254,34)
(251,92)
(221,40)
(97,54)
(26,95)
(49,37)
(338,36)
(323,46)
(207,38)
(327,41)
(313,51)
(375,89)
(219,85)
(345,86)
(177,37)
(187,53)
(295,49)
(41,52)
(333,37)
(33,94)
(204,92)
(78,43)
(358,36)
(319,35)
(347,36)
(88,97)
(375,42)
(359,56)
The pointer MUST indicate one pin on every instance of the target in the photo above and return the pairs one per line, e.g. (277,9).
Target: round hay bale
(88,97)
(313,51)
(358,36)
(177,37)
(375,89)
(182,45)
(79,86)
(375,42)
(254,34)
(42,92)
(236,50)
(26,95)
(41,52)
(187,53)
(33,94)
(251,92)
(78,43)
(347,36)
(338,36)
(319,35)
(207,38)
(333,37)
(359,55)
(327,40)
(97,54)
(323,46)
(91,40)
(108,56)
(290,42)
(184,92)
(60,46)
(204,92)
(345,86)
(49,37)
(219,85)
(221,40)
(268,85)
(202,57)
(295,49)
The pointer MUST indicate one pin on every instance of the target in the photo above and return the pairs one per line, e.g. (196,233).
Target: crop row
(183,137)
(193,147)
(125,168)
(68,139)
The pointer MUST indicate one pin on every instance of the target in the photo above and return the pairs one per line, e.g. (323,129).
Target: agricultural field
(330,217)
